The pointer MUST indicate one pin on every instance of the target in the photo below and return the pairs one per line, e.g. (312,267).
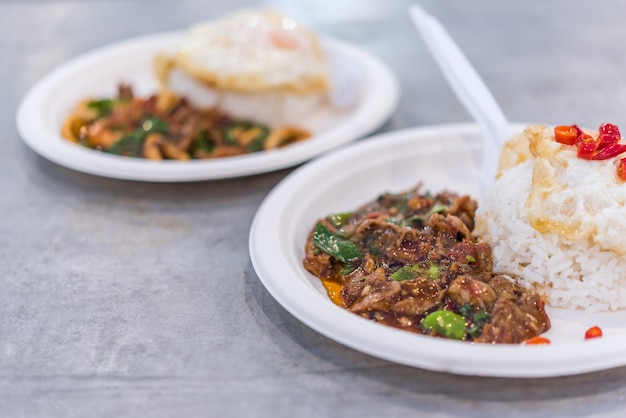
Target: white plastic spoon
(469,89)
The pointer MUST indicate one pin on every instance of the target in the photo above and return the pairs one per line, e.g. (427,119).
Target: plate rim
(368,115)
(494,360)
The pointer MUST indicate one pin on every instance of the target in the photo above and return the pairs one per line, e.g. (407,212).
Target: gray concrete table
(122,298)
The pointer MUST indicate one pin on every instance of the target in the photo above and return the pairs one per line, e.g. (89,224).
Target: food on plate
(593,332)
(241,84)
(167,126)
(539,340)
(557,215)
(410,260)
(256,64)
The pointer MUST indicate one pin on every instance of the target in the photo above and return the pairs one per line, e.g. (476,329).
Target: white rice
(569,274)
(274,107)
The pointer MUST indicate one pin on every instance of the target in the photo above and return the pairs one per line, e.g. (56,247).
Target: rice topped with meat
(556,217)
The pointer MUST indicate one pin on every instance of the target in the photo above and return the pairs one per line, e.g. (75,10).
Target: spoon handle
(467,85)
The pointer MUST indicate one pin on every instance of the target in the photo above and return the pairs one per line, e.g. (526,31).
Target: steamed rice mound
(559,222)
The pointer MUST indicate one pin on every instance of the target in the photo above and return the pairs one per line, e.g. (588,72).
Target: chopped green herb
(129,145)
(203,143)
(433,272)
(259,141)
(152,124)
(479,321)
(470,259)
(482,316)
(465,309)
(339,219)
(437,208)
(342,249)
(132,144)
(240,128)
(103,107)
(404,273)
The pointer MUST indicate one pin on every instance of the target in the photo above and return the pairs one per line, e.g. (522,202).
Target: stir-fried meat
(464,208)
(465,290)
(505,287)
(515,322)
(449,226)
(166,126)
(409,298)
(352,288)
(318,262)
(419,296)
(377,234)
(408,256)
(377,294)
(484,257)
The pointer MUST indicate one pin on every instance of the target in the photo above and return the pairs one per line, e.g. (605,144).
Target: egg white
(253,51)
(578,199)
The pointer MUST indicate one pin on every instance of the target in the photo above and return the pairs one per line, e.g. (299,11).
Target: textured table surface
(121,298)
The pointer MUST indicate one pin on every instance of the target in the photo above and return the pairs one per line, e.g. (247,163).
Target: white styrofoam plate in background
(98,73)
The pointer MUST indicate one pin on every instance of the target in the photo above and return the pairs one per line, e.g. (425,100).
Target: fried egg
(576,198)
(257,64)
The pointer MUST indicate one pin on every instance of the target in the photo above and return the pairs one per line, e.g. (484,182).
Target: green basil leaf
(343,250)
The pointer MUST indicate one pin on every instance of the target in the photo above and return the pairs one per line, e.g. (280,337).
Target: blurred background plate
(97,74)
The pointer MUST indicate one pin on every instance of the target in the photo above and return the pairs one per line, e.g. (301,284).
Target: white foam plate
(97,74)
(443,157)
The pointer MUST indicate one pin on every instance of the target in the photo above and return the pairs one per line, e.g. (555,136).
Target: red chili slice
(605,140)
(586,147)
(610,151)
(538,341)
(608,134)
(593,332)
(606,146)
(566,134)
(609,129)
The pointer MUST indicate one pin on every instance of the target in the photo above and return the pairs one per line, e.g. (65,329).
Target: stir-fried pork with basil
(410,261)
(166,126)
